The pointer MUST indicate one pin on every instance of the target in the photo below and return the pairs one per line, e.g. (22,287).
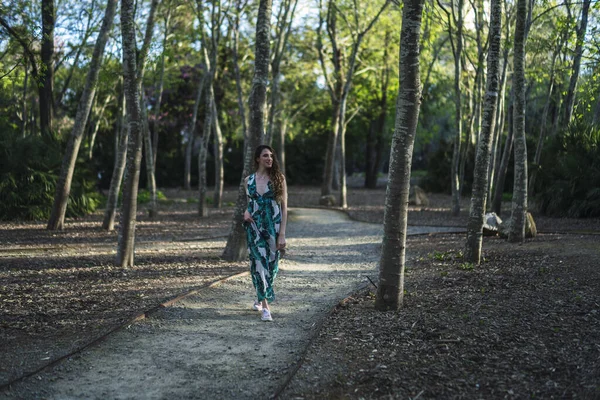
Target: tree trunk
(281,153)
(507,152)
(484,146)
(391,270)
(121,140)
(542,135)
(63,186)
(24,103)
(161,82)
(235,248)
(519,201)
(150,177)
(238,75)
(192,135)
(581,31)
(133,71)
(203,151)
(46,88)
(455,170)
(218,150)
(94,133)
(283,27)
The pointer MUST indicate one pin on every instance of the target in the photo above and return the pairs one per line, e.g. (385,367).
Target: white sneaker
(266,315)
(257,306)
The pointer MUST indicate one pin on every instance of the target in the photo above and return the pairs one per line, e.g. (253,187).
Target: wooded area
(90,102)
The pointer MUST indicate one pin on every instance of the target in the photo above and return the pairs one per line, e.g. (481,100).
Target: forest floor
(526,323)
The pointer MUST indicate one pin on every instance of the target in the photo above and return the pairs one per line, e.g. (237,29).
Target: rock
(417,197)
(327,200)
(491,224)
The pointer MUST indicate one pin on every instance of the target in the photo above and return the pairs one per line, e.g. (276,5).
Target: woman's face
(266,159)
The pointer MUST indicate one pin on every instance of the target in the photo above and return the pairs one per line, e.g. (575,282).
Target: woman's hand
(281,242)
(248,217)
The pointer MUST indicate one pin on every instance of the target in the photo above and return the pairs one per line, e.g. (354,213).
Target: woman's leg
(265,305)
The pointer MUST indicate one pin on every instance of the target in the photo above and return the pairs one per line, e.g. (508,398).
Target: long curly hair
(275,175)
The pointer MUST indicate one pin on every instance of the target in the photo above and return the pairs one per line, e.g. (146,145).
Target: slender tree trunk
(596,119)
(218,150)
(581,31)
(281,153)
(519,201)
(235,248)
(63,186)
(121,140)
(484,146)
(161,82)
(238,75)
(94,133)
(192,135)
(503,168)
(455,171)
(542,135)
(203,151)
(393,253)
(150,177)
(343,193)
(24,103)
(46,88)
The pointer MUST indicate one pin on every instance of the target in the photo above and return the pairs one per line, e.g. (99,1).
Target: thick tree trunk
(46,87)
(393,253)
(63,186)
(519,201)
(484,147)
(581,31)
(133,72)
(121,140)
(235,248)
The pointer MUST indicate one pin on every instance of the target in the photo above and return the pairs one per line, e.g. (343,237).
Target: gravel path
(211,344)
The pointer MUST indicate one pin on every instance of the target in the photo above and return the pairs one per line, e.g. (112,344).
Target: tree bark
(187,177)
(218,150)
(149,157)
(46,89)
(24,103)
(94,133)
(484,146)
(581,31)
(203,150)
(235,248)
(519,201)
(391,270)
(506,153)
(121,140)
(282,33)
(161,82)
(63,185)
(133,72)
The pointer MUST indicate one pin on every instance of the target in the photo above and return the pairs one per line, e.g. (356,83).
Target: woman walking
(265,221)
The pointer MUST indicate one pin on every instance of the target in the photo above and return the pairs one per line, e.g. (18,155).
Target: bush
(568,181)
(28,175)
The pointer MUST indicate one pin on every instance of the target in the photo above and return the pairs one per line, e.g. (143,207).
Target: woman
(265,220)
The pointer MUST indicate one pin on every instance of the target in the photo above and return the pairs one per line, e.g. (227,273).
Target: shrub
(28,175)
(569,173)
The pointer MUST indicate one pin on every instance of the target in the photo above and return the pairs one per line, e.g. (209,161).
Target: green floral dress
(262,238)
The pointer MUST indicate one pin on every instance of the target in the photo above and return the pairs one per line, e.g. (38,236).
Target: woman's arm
(247,216)
(282,226)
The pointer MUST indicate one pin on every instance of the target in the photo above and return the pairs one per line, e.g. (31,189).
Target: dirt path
(211,344)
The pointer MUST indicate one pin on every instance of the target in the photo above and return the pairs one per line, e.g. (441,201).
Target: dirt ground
(524,324)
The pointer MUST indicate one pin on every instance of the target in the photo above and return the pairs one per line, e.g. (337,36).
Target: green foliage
(28,175)
(569,175)
(144,196)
